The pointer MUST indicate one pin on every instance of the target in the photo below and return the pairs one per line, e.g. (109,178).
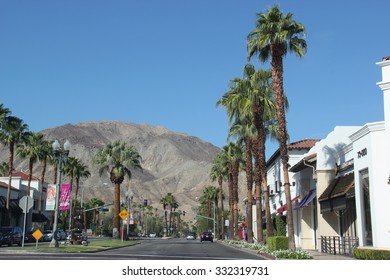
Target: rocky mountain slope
(172,162)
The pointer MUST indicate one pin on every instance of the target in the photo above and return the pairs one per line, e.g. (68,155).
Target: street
(148,249)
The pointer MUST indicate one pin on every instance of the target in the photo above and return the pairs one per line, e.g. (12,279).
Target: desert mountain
(172,162)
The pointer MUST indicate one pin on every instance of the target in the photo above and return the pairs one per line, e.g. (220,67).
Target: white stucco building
(349,171)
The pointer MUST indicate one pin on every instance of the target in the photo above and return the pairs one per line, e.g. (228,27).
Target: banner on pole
(65,197)
(51,197)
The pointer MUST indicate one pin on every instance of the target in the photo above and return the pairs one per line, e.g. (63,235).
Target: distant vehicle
(153,235)
(10,236)
(207,236)
(191,236)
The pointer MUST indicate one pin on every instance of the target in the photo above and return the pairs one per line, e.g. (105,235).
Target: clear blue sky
(166,63)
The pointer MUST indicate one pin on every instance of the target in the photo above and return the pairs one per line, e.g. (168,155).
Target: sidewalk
(322,256)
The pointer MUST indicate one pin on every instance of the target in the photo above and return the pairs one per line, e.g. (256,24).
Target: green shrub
(280,225)
(277,243)
(371,254)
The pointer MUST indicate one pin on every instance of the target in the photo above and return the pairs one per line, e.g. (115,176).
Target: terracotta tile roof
(303,144)
(24,176)
(306,144)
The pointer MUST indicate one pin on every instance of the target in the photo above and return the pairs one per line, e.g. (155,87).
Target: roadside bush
(371,254)
(277,243)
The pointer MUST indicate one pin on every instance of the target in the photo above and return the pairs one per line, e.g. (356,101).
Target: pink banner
(65,192)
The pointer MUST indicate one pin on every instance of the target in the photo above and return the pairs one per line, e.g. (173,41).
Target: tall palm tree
(243,131)
(275,35)
(76,169)
(218,173)
(118,158)
(45,154)
(211,194)
(31,151)
(164,202)
(171,201)
(236,158)
(13,133)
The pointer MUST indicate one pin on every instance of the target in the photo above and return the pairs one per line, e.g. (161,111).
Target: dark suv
(207,236)
(10,236)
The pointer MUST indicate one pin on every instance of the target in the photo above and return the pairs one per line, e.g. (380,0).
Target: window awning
(335,195)
(307,199)
(284,207)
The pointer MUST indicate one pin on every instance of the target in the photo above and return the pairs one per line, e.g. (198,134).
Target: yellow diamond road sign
(37,234)
(124,214)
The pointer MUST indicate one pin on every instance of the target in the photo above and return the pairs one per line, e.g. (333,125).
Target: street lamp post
(59,156)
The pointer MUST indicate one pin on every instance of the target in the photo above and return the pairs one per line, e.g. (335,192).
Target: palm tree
(210,195)
(219,173)
(13,133)
(236,159)
(171,202)
(275,35)
(31,151)
(45,154)
(118,158)
(243,131)
(76,170)
(164,202)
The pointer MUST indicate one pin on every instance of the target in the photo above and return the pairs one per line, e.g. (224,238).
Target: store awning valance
(284,207)
(307,199)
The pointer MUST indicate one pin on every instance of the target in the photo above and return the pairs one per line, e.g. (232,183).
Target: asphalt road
(148,249)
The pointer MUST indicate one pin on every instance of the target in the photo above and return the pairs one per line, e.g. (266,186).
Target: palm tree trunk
(259,218)
(10,170)
(44,162)
(235,197)
(277,83)
(30,173)
(258,112)
(116,208)
(249,182)
(231,220)
(220,180)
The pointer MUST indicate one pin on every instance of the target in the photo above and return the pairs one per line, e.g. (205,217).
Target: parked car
(47,235)
(153,235)
(207,236)
(191,236)
(10,236)
(61,234)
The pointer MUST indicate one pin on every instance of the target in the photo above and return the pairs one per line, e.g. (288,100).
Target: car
(47,235)
(191,236)
(11,235)
(207,236)
(153,235)
(61,234)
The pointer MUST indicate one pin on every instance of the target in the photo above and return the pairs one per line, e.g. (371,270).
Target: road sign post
(123,214)
(26,203)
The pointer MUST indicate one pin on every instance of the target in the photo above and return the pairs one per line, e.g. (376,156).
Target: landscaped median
(93,246)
